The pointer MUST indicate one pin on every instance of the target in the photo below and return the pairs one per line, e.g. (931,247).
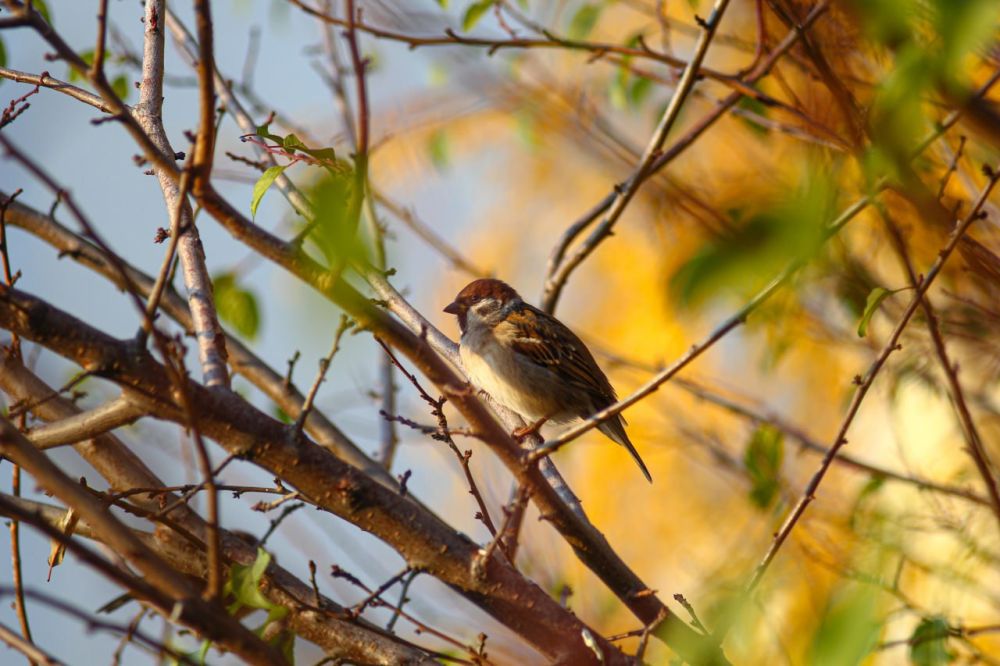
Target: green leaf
(264,132)
(326,154)
(849,628)
(244,583)
(742,260)
(262,185)
(756,107)
(88,58)
(964,27)
(43,9)
(474,13)
(639,90)
(291,143)
(929,643)
(120,86)
(281,415)
(442,3)
(3,54)
(335,233)
(618,91)
(583,21)
(762,460)
(236,306)
(437,146)
(875,298)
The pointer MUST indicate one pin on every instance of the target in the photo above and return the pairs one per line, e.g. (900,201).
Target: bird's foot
(524,432)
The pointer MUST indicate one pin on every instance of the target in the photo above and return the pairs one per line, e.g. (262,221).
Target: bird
(531,363)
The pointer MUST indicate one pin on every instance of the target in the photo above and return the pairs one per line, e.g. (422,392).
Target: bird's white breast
(501,373)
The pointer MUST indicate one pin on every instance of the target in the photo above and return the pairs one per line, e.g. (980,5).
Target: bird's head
(483,301)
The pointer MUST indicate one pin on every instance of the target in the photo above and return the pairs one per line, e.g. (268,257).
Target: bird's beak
(453,308)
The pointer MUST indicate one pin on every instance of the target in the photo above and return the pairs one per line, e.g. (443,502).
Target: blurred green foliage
(762,460)
(759,247)
(237,305)
(849,628)
(929,643)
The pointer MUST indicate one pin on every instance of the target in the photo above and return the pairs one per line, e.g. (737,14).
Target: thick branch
(211,621)
(148,113)
(423,540)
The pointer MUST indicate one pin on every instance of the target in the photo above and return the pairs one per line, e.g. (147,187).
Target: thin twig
(324,365)
(97,68)
(864,384)
(555,282)
(20,608)
(952,166)
(46,81)
(397,611)
(338,572)
(970,432)
(557,256)
(480,562)
(443,434)
(695,351)
(156,293)
(31,652)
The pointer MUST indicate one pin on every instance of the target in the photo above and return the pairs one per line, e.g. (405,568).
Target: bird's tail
(615,429)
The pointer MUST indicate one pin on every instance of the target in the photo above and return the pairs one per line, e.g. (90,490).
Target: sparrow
(531,363)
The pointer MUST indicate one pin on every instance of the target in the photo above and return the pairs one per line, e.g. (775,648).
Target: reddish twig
(442,433)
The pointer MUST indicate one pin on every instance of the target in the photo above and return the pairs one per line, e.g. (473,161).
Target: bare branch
(148,113)
(87,425)
(555,282)
(159,577)
(864,385)
(47,81)
(32,652)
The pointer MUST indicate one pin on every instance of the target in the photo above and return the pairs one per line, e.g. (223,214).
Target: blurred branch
(720,331)
(550,41)
(864,384)
(31,652)
(976,449)
(555,282)
(812,445)
(557,258)
(428,235)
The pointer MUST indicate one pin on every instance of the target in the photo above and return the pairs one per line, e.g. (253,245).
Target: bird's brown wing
(566,355)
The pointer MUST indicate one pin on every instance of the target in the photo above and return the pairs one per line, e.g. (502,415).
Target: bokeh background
(498,154)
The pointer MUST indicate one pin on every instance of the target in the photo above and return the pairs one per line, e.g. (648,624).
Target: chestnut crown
(480,290)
